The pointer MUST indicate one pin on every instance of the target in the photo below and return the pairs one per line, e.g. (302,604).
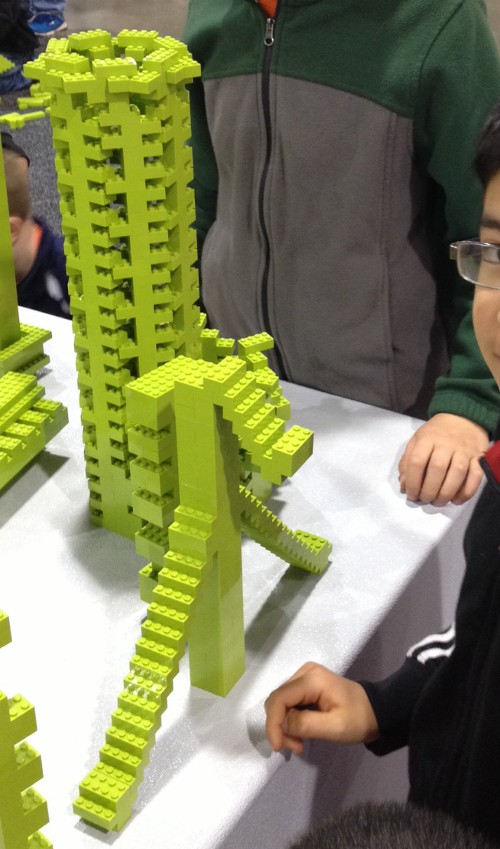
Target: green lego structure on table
(120,119)
(175,420)
(22,810)
(27,420)
(188,421)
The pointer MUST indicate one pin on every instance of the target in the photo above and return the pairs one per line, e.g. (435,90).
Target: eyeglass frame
(453,255)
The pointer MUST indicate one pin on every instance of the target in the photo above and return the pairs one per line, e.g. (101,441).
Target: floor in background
(494,16)
(165,16)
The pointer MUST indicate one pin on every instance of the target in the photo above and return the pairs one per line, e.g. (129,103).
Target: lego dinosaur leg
(299,548)
(208,457)
(108,792)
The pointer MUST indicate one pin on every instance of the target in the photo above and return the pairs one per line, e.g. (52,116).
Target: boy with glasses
(444,702)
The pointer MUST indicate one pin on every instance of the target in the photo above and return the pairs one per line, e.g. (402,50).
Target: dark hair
(390,825)
(487,160)
(8,143)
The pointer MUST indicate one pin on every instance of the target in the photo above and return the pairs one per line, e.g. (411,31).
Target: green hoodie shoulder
(332,168)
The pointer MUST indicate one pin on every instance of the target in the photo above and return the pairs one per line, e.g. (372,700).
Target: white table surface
(70,590)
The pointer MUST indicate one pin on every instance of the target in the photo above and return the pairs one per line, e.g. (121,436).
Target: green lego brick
(152,670)
(29,765)
(35,812)
(254,344)
(97,814)
(178,594)
(158,478)
(156,509)
(147,581)
(120,759)
(39,841)
(155,650)
(5,633)
(152,541)
(155,691)
(164,634)
(22,718)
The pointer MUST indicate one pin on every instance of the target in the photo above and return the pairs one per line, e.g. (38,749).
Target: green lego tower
(120,118)
(22,810)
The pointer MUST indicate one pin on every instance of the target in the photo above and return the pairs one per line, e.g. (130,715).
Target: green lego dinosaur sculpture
(189,420)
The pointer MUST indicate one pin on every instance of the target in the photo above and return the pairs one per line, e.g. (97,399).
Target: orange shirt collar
(269,7)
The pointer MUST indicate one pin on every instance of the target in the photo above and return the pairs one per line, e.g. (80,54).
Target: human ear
(16,224)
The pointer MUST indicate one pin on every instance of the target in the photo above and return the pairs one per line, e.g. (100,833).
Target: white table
(70,590)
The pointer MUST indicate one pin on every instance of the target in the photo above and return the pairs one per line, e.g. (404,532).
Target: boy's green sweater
(333,165)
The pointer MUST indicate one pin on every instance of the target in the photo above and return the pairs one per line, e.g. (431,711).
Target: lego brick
(5,634)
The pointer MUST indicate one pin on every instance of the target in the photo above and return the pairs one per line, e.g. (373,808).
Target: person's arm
(392,702)
(460,82)
(206,176)
(316,703)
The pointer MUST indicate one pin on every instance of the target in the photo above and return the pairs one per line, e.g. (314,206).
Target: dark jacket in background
(15,34)
(45,288)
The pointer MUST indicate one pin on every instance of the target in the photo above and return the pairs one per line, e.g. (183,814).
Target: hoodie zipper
(266,108)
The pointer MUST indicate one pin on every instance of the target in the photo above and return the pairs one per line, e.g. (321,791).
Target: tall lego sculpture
(171,413)
(22,810)
(27,420)
(120,118)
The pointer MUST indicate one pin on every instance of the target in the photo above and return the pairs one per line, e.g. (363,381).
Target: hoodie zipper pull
(269,35)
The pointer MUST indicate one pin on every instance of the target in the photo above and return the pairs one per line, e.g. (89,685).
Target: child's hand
(440,463)
(317,703)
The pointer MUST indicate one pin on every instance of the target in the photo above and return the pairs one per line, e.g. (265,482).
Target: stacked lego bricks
(22,810)
(120,117)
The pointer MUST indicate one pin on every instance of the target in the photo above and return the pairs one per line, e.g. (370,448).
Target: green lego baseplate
(22,810)
(189,420)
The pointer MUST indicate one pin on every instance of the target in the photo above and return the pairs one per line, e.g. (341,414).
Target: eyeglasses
(477,262)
